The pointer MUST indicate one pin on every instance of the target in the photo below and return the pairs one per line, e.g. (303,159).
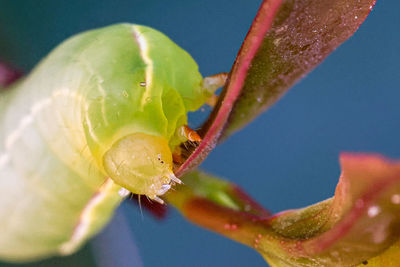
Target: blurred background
(287,158)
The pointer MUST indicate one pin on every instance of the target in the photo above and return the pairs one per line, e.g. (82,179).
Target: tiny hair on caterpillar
(101,116)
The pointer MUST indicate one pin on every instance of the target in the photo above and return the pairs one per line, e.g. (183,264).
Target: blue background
(287,158)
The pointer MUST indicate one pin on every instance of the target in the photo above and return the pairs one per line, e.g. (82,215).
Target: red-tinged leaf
(217,191)
(362,220)
(360,224)
(8,75)
(286,41)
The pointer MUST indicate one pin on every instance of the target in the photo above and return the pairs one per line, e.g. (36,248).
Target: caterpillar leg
(123,192)
(159,200)
(212,83)
(189,134)
(186,134)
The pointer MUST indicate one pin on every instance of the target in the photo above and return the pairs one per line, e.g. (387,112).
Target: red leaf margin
(217,121)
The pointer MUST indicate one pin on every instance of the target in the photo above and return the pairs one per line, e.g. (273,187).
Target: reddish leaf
(359,223)
(286,41)
(304,33)
(8,75)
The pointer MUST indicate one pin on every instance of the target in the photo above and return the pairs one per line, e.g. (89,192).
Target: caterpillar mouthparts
(141,163)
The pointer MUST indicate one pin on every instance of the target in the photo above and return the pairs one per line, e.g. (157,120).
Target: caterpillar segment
(98,118)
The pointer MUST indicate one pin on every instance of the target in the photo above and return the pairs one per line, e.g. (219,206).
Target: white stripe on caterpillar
(36,108)
(26,121)
(88,217)
(144,53)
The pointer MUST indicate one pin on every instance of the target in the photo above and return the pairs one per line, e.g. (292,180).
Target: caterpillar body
(97,118)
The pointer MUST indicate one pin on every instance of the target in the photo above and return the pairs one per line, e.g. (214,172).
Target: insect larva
(97,117)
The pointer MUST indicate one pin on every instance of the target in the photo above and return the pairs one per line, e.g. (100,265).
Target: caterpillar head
(141,163)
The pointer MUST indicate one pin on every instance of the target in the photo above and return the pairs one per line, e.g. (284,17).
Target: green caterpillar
(98,117)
